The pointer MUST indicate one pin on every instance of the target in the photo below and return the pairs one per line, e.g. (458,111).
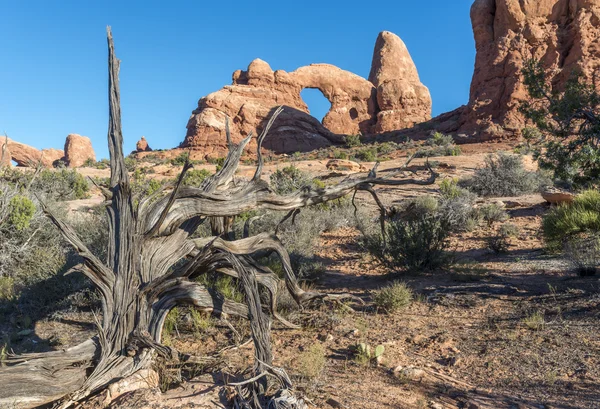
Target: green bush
(493,213)
(393,297)
(569,220)
(504,174)
(195,177)
(352,141)
(439,145)
(340,154)
(416,244)
(20,212)
(289,180)
(583,252)
(367,154)
(500,242)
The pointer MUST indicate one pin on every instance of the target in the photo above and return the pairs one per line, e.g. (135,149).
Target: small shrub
(311,362)
(180,159)
(340,155)
(7,288)
(535,321)
(20,212)
(439,145)
(413,244)
(352,141)
(289,180)
(195,177)
(583,252)
(393,297)
(493,213)
(367,154)
(387,148)
(449,188)
(130,163)
(500,242)
(504,174)
(570,220)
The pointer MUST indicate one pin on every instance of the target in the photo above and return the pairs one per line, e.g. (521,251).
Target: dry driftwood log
(151,265)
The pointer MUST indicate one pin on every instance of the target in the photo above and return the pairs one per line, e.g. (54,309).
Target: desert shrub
(53,185)
(387,147)
(300,236)
(439,145)
(569,220)
(493,213)
(289,179)
(195,177)
(366,154)
(583,252)
(337,154)
(417,244)
(504,174)
(311,362)
(180,159)
(20,212)
(500,242)
(352,141)
(393,297)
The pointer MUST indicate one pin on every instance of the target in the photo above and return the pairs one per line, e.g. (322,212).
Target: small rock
(334,403)
(435,405)
(410,373)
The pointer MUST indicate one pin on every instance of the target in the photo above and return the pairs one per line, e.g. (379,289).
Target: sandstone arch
(354,103)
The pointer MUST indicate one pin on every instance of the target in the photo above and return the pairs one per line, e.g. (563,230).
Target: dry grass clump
(393,297)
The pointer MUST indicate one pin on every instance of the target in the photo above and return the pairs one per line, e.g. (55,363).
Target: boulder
(78,149)
(564,35)
(403,100)
(142,145)
(557,196)
(344,165)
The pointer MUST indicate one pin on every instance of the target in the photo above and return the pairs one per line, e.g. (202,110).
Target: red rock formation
(27,156)
(254,94)
(4,153)
(142,145)
(78,149)
(403,101)
(563,34)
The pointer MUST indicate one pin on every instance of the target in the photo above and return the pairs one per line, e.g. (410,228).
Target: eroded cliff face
(563,34)
(392,98)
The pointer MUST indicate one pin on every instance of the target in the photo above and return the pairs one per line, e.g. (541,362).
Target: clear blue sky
(53,73)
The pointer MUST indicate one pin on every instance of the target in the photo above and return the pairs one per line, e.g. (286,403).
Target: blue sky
(53,73)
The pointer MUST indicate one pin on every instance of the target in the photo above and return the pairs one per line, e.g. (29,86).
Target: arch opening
(318,105)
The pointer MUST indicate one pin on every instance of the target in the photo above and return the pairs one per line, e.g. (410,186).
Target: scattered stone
(409,373)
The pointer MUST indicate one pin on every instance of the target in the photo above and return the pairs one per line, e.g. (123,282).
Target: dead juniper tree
(151,265)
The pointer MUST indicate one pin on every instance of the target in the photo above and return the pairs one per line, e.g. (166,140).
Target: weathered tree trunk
(151,266)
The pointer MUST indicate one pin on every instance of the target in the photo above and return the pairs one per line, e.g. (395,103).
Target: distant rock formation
(403,101)
(78,150)
(142,145)
(28,156)
(563,34)
(355,105)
